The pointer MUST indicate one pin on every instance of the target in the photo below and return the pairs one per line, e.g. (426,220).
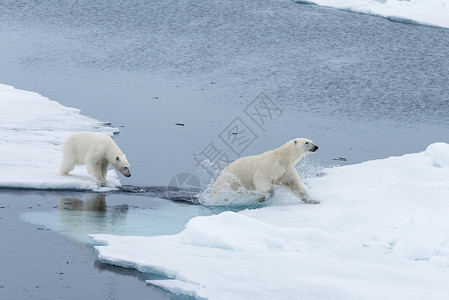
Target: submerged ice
(381,227)
(79,215)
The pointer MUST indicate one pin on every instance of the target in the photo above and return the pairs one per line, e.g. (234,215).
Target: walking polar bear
(259,173)
(96,151)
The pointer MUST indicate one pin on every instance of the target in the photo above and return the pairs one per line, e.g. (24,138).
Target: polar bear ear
(117,158)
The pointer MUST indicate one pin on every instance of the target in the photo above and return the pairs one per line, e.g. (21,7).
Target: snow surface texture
(32,132)
(380,232)
(426,12)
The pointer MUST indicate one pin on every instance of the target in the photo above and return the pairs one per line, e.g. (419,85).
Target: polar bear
(258,173)
(96,151)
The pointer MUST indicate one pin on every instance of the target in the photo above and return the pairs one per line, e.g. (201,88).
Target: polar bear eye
(307,143)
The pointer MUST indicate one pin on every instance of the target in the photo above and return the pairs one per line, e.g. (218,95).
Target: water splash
(238,197)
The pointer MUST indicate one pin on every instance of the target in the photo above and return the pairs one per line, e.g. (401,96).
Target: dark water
(50,256)
(361,87)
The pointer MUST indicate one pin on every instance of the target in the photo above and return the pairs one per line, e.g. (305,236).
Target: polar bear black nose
(315,148)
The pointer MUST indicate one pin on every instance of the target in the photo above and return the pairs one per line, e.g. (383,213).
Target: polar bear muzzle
(125,171)
(122,165)
(310,146)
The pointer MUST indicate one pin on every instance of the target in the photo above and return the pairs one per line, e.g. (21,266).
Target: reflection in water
(119,270)
(136,274)
(85,217)
(96,210)
(95,203)
(77,218)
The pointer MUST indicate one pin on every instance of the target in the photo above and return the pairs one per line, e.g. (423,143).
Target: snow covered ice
(380,232)
(426,12)
(32,132)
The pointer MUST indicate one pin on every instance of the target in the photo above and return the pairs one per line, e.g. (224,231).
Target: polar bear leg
(263,186)
(104,169)
(94,169)
(67,166)
(291,180)
(301,192)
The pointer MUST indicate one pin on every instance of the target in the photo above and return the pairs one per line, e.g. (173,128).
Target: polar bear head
(304,146)
(298,148)
(121,164)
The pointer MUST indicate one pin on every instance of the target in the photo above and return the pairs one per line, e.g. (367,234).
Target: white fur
(260,172)
(96,151)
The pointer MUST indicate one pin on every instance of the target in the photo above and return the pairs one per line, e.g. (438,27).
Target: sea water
(360,86)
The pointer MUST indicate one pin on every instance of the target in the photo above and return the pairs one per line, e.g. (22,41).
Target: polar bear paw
(310,201)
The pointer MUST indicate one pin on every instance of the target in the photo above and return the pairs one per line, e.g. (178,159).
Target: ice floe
(426,12)
(32,132)
(381,231)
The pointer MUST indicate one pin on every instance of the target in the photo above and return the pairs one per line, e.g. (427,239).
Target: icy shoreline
(424,12)
(32,132)
(381,227)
